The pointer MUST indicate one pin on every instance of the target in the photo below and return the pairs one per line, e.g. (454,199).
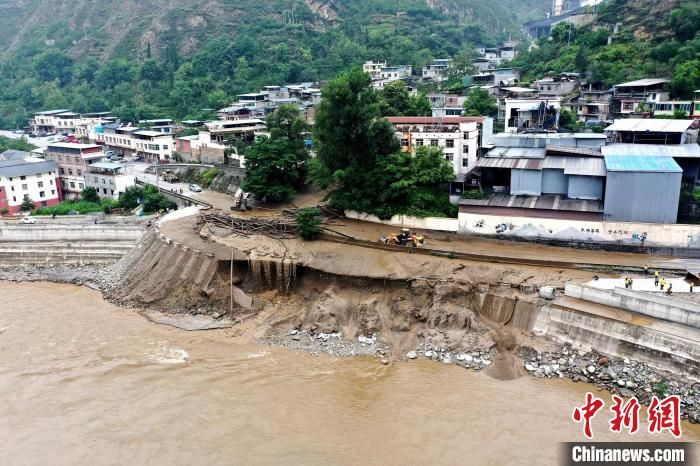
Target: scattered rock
(411,355)
(591,369)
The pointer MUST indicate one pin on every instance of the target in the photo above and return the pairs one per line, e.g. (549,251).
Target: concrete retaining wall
(672,235)
(38,232)
(428,223)
(670,309)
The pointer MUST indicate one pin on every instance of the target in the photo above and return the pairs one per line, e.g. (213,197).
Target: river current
(85,382)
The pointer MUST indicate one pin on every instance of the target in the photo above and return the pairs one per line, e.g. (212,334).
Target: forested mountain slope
(631,39)
(155,57)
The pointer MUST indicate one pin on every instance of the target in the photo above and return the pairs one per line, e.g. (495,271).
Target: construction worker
(670,286)
(691,287)
(630,283)
(656,278)
(663,283)
(646,269)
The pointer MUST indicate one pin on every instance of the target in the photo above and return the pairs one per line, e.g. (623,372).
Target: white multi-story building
(150,145)
(436,70)
(65,121)
(23,176)
(373,67)
(226,131)
(459,138)
(108,179)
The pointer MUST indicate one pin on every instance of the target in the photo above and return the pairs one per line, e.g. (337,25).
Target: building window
(419,142)
(404,142)
(63,172)
(450,143)
(40,184)
(72,184)
(53,192)
(12,188)
(41,194)
(80,173)
(104,190)
(465,149)
(25,187)
(449,157)
(465,135)
(465,162)
(165,147)
(70,171)
(81,185)
(14,198)
(22,177)
(43,204)
(77,160)
(434,142)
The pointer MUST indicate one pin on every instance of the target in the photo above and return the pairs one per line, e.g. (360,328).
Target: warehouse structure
(575,176)
(642,189)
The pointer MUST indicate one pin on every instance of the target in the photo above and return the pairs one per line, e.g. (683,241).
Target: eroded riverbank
(86,382)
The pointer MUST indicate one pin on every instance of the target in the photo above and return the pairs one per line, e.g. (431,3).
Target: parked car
(28,220)
(195,188)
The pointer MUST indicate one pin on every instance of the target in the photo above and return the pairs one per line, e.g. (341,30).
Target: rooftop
(71,145)
(52,112)
(106,165)
(12,168)
(149,133)
(651,125)
(543,202)
(643,82)
(660,150)
(11,154)
(641,163)
(433,120)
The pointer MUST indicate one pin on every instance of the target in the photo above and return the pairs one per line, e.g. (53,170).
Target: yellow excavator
(405,238)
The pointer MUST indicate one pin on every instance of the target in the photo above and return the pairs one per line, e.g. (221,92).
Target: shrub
(4,211)
(89,194)
(27,205)
(208,176)
(472,194)
(309,223)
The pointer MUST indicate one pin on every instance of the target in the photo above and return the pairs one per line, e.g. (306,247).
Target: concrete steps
(666,346)
(18,253)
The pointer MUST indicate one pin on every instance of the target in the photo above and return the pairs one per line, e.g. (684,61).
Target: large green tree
(480,103)
(272,170)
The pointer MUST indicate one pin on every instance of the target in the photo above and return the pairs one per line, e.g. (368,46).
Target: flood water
(85,382)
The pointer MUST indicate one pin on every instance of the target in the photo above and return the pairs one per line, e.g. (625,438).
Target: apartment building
(435,71)
(373,67)
(227,131)
(23,176)
(108,179)
(638,96)
(162,125)
(72,161)
(131,141)
(459,137)
(65,121)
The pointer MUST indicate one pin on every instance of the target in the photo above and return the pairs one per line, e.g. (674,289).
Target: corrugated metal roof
(641,163)
(584,166)
(650,124)
(517,152)
(572,150)
(660,150)
(588,166)
(11,168)
(522,164)
(642,82)
(106,165)
(544,202)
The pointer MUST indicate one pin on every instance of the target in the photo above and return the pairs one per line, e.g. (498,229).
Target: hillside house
(22,175)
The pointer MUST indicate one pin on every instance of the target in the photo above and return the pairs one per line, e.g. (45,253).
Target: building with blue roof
(642,188)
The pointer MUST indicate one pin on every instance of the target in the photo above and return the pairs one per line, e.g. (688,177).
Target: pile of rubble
(619,376)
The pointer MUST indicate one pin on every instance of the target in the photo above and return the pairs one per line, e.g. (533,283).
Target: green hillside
(174,57)
(653,39)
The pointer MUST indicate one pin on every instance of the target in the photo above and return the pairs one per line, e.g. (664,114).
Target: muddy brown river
(85,382)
